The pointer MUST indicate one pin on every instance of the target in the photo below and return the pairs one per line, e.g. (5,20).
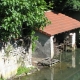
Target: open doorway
(62,42)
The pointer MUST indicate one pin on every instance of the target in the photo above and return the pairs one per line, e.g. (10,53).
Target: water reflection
(73,59)
(67,69)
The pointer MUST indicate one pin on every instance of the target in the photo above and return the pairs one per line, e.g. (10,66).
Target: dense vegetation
(22,17)
(65,5)
(15,14)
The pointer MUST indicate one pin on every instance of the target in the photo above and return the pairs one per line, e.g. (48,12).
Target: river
(67,69)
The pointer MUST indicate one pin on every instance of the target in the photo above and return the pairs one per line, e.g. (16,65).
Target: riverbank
(22,71)
(31,70)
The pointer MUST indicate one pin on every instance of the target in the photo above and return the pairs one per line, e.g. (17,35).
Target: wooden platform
(47,62)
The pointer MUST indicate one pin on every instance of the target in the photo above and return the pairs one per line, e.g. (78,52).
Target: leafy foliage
(50,4)
(34,38)
(73,4)
(64,5)
(22,70)
(13,13)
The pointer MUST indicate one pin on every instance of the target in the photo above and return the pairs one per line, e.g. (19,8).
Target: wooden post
(52,46)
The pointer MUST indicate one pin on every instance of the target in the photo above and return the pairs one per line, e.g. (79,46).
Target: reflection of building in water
(52,74)
(73,59)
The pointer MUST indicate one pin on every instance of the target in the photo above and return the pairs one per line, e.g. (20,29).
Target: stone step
(47,62)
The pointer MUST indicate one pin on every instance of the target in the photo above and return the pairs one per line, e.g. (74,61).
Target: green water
(67,69)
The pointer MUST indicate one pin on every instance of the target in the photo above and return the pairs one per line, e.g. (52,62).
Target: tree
(65,5)
(73,5)
(15,13)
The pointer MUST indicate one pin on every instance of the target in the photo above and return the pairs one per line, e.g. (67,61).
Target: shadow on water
(67,69)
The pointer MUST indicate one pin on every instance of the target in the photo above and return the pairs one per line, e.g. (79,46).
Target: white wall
(43,46)
(9,64)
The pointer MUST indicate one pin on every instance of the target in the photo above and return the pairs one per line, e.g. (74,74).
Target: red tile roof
(59,23)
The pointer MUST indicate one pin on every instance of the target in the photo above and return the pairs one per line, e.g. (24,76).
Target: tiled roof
(59,23)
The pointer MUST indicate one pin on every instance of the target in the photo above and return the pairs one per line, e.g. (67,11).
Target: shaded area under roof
(59,23)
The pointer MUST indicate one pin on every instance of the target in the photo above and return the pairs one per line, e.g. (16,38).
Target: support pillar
(73,49)
(52,46)
(73,40)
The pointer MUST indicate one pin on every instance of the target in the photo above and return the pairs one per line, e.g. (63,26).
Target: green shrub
(22,69)
(2,79)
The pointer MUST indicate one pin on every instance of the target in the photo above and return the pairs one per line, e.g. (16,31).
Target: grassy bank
(2,79)
(22,70)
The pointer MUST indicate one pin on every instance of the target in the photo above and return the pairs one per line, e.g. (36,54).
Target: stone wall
(42,49)
(11,58)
